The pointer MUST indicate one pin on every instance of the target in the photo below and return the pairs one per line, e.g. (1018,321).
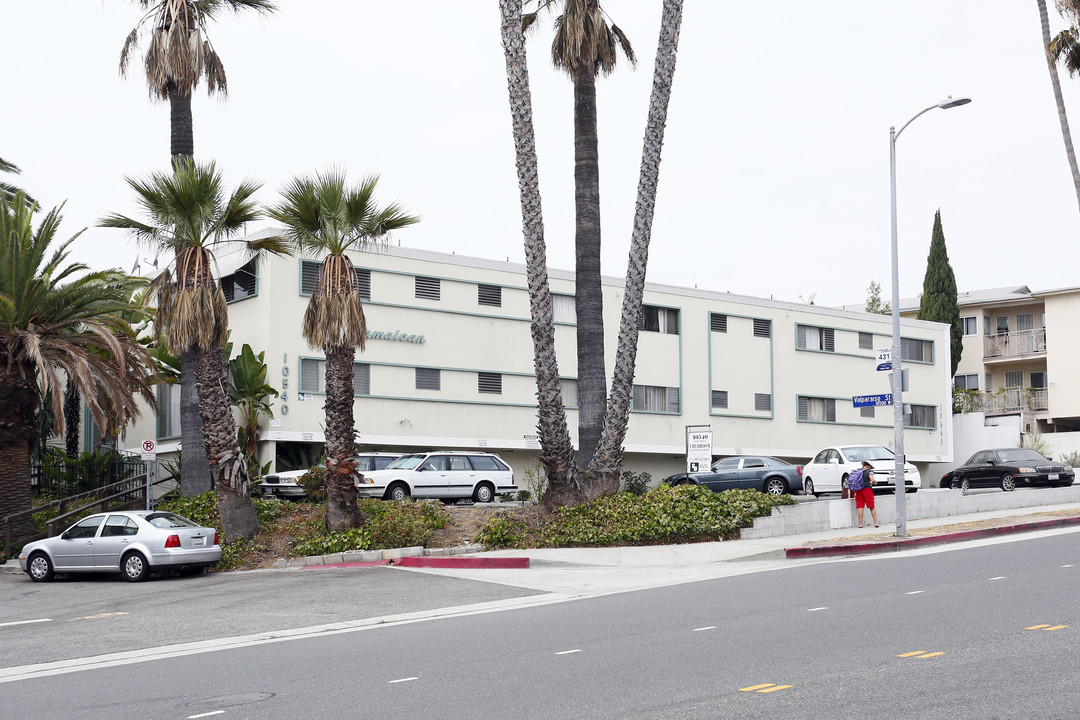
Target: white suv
(444,474)
(287,484)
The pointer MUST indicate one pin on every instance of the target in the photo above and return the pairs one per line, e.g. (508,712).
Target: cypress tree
(938,301)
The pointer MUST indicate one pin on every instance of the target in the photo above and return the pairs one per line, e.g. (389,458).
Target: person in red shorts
(860,483)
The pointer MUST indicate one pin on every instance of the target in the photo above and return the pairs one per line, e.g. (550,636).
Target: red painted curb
(905,543)
(500,563)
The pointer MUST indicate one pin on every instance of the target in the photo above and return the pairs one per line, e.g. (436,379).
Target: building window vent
(428,379)
(763,402)
(428,288)
(719,400)
(239,285)
(490,383)
(310,272)
(866,341)
(489,295)
(361,379)
(762,328)
(867,412)
(717,322)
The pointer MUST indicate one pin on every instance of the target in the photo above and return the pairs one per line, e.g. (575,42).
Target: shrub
(336,542)
(314,484)
(524,495)
(400,524)
(202,509)
(502,531)
(636,483)
(1071,458)
(536,481)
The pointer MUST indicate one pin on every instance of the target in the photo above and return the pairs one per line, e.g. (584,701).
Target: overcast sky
(775,172)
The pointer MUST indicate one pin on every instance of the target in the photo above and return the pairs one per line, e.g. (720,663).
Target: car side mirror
(64,535)
(834,461)
(991,462)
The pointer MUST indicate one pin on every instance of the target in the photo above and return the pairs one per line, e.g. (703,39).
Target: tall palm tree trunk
(608,458)
(1055,81)
(556,451)
(228,469)
(341,495)
(19,399)
(182,135)
(592,375)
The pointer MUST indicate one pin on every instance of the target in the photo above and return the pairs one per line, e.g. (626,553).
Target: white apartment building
(1019,350)
(449,364)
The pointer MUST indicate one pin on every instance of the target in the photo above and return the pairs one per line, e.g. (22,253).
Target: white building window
(969,381)
(168,418)
(912,349)
(1014,378)
(428,379)
(814,409)
(1038,380)
(569,392)
(809,337)
(563,309)
(659,319)
(241,284)
(922,416)
(969,325)
(313,376)
(653,398)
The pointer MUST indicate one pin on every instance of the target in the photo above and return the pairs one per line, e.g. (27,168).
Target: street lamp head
(949,102)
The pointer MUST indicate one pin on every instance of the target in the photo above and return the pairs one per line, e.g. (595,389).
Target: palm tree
(8,190)
(556,451)
(58,320)
(323,216)
(188,214)
(178,56)
(607,461)
(1063,47)
(584,46)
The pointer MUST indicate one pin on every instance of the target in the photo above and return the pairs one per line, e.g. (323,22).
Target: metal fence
(58,478)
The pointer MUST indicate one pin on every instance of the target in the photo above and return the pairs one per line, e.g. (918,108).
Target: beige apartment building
(449,364)
(1019,355)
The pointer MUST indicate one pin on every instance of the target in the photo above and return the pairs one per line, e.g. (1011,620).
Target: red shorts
(864,498)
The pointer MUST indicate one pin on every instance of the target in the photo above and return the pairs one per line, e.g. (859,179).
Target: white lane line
(817,608)
(915,592)
(403,680)
(1064,566)
(206,714)
(999,577)
(25,622)
(567,652)
(707,627)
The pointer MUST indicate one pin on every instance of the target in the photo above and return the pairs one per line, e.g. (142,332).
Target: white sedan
(828,471)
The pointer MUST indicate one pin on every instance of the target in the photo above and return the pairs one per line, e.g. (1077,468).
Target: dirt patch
(953,528)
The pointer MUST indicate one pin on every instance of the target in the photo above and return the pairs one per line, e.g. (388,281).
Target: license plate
(1053,476)
(198,541)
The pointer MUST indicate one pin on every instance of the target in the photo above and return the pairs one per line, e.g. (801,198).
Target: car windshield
(168,520)
(868,453)
(1020,455)
(408,462)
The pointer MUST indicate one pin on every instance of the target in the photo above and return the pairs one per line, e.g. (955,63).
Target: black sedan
(1007,467)
(746,472)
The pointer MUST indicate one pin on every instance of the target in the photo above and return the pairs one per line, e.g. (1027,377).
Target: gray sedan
(132,543)
(750,472)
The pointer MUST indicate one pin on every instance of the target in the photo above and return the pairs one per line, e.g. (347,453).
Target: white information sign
(884,359)
(149,450)
(698,448)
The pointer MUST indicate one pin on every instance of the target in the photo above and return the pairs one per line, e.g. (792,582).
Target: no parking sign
(149,450)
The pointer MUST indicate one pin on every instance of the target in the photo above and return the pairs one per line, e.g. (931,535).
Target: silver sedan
(133,543)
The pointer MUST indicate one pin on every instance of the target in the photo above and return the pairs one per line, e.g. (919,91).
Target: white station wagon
(445,475)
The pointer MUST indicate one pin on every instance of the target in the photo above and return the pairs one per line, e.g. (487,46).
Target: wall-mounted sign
(395,335)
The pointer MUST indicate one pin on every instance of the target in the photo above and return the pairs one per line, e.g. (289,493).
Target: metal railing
(1014,344)
(1005,400)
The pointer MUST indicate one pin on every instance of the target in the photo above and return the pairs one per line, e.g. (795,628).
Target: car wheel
(964,484)
(808,487)
(135,567)
(1008,483)
(397,491)
(484,493)
(775,486)
(40,567)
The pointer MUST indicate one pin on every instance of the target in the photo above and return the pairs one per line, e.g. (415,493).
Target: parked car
(445,474)
(748,472)
(133,543)
(1005,467)
(829,469)
(287,484)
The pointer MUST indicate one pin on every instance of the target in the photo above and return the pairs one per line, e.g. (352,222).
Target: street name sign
(872,400)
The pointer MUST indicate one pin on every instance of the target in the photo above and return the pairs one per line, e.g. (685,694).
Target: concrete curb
(489,563)
(862,548)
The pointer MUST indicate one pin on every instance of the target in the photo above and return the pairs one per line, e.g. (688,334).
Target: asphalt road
(979,632)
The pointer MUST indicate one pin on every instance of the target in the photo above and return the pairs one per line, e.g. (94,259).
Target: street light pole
(897,375)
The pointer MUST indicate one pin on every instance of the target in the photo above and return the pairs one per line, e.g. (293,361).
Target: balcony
(1015,344)
(1003,401)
